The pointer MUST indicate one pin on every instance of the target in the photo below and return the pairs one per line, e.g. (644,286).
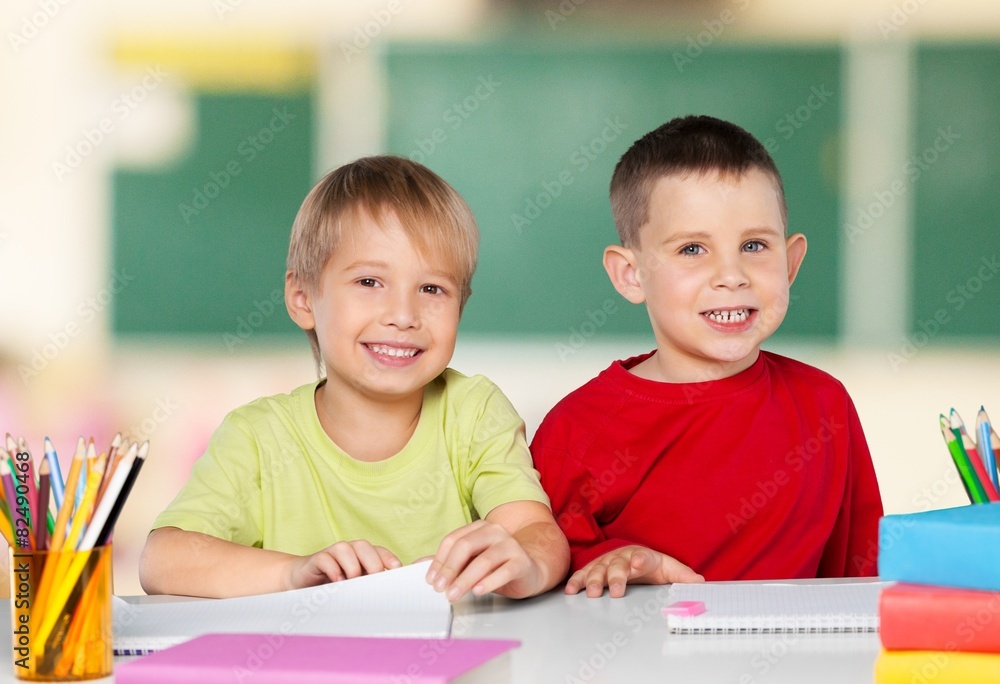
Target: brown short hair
(685,145)
(431,213)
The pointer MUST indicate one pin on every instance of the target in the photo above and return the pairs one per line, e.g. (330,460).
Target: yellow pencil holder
(61,614)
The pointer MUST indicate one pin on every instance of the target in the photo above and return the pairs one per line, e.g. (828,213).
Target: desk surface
(580,640)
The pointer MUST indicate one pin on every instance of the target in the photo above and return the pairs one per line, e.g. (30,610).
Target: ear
(622,266)
(298,302)
(795,250)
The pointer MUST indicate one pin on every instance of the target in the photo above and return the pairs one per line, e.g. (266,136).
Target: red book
(933,618)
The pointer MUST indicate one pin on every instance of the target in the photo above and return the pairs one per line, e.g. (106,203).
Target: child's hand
(635,564)
(482,557)
(343,560)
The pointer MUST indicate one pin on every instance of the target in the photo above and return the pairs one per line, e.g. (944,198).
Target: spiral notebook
(768,608)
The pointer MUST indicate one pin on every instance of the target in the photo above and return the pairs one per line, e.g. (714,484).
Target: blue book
(950,547)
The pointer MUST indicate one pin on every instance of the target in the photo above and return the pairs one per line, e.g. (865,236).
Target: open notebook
(394,603)
(765,608)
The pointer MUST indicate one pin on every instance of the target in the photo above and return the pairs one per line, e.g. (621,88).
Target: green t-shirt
(272,478)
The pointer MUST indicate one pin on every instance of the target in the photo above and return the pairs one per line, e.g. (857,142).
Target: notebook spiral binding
(844,623)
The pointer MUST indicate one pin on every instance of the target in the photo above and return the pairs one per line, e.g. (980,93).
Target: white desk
(575,639)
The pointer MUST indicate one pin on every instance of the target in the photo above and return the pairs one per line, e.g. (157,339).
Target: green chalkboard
(529,135)
(954,170)
(202,243)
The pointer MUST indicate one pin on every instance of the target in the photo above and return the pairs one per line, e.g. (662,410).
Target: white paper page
(391,603)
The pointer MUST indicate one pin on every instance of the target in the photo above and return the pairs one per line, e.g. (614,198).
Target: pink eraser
(684,608)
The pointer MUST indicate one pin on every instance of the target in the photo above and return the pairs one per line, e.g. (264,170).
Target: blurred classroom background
(154,155)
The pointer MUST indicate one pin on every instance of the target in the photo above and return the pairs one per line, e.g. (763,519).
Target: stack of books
(940,622)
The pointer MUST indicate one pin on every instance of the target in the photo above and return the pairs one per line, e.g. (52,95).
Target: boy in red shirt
(707,458)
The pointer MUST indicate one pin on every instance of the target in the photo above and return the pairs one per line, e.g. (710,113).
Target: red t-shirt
(762,475)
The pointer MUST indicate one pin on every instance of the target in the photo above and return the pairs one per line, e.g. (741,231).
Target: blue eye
(692,249)
(754,246)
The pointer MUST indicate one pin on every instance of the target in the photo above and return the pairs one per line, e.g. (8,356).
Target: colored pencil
(984,429)
(113,459)
(20,474)
(88,464)
(62,520)
(56,543)
(994,439)
(119,503)
(17,501)
(81,518)
(62,582)
(41,522)
(961,459)
(58,484)
(91,501)
(958,425)
(83,614)
(6,519)
(107,503)
(975,462)
(13,448)
(6,529)
(22,448)
(3,493)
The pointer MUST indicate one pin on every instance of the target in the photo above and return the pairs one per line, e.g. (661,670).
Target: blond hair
(430,212)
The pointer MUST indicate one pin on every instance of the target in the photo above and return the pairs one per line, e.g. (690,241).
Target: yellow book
(939,667)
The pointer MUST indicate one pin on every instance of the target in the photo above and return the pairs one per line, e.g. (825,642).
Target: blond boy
(391,456)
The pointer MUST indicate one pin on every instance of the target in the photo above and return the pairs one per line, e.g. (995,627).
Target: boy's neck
(660,367)
(364,428)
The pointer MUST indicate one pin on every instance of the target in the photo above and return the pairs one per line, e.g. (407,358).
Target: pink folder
(278,658)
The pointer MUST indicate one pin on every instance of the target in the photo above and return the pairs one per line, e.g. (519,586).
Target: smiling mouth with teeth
(732,316)
(393,351)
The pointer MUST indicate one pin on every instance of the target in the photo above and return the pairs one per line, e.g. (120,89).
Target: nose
(401,310)
(729,272)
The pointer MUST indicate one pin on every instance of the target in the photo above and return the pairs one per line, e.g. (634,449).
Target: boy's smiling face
(386,316)
(714,268)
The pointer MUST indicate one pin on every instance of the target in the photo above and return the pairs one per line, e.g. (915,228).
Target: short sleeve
(222,497)
(500,467)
